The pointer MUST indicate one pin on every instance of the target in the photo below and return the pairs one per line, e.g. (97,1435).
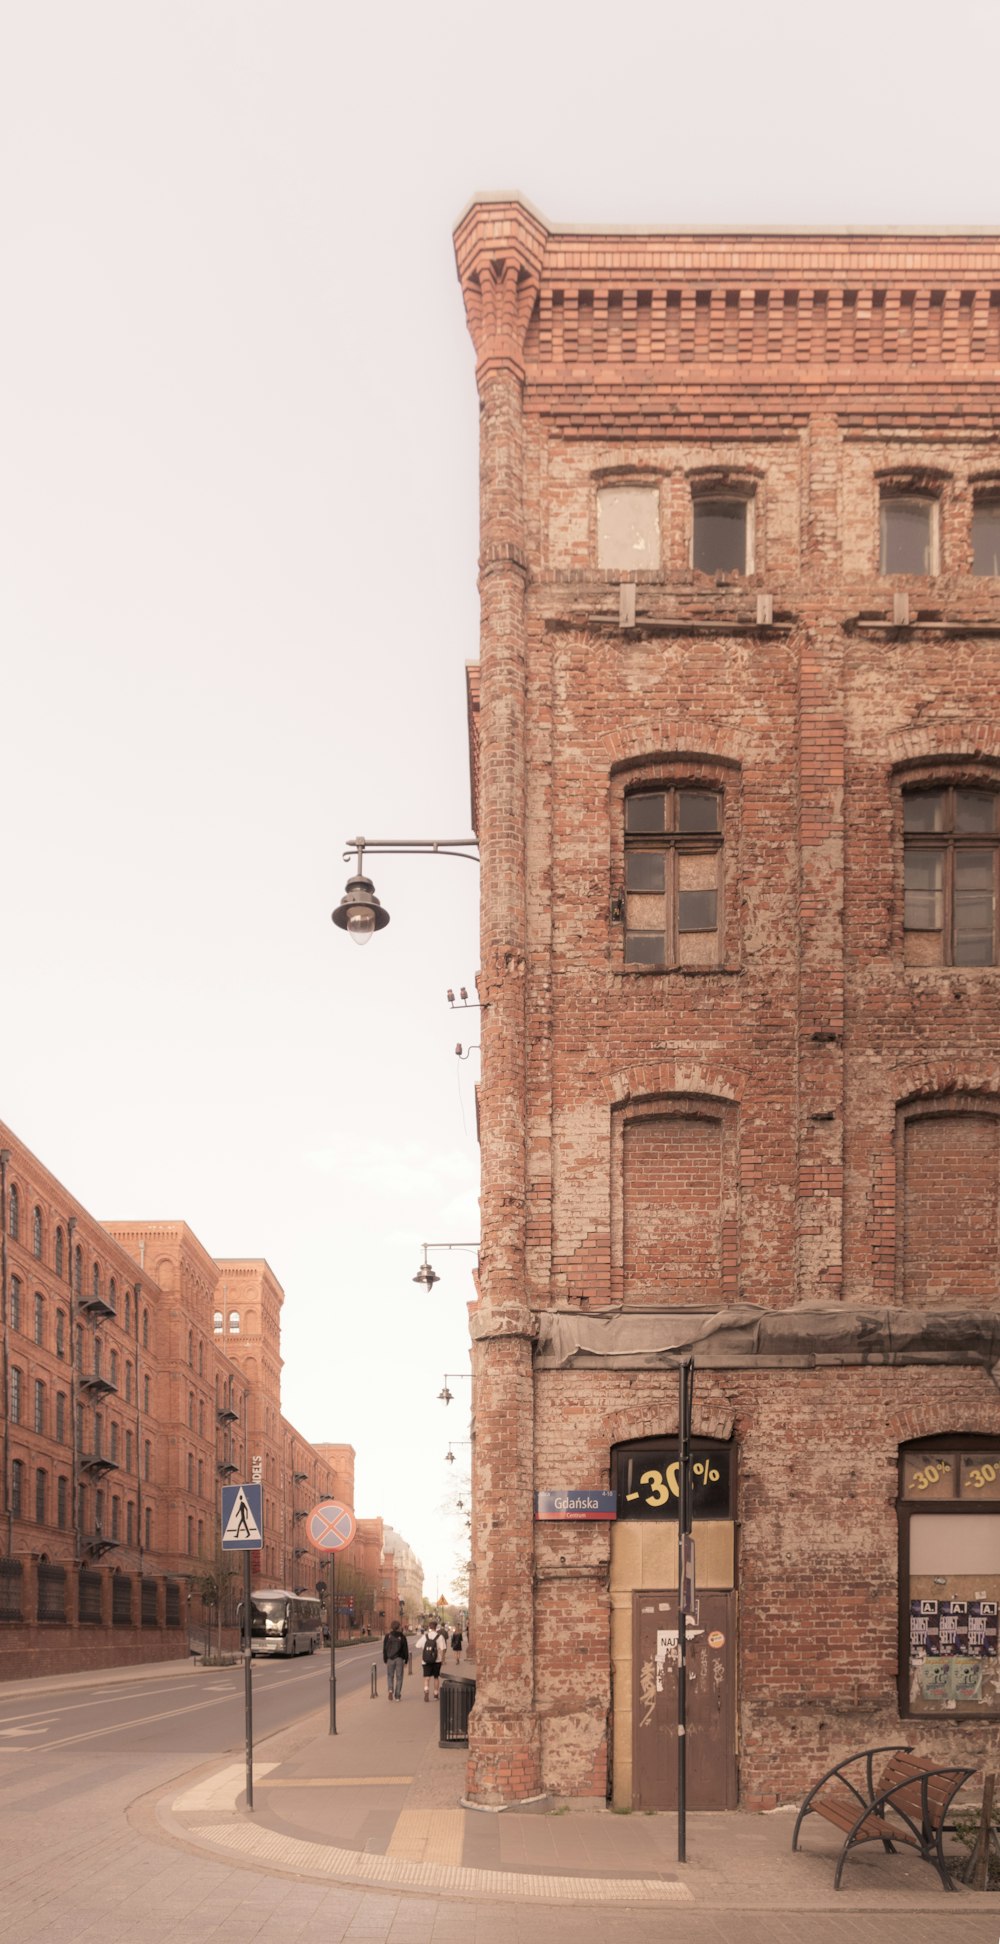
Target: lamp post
(360,913)
(426,1274)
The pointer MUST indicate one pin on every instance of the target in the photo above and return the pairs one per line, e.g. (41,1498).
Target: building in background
(736,762)
(408,1574)
(139,1377)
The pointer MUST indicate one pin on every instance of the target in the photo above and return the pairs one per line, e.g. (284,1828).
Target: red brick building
(140,1375)
(736,770)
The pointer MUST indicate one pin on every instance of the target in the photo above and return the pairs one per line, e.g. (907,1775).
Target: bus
(284,1623)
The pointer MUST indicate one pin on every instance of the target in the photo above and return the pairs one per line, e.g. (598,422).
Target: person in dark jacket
(395,1653)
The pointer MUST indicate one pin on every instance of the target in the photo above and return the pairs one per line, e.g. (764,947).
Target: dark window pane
(923,810)
(986,537)
(720,536)
(906,536)
(923,898)
(697,810)
(974,908)
(644,813)
(644,870)
(645,948)
(975,810)
(696,911)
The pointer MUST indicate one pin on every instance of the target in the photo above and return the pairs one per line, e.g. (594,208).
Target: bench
(908,1803)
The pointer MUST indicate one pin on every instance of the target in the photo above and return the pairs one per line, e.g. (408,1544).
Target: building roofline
(833,232)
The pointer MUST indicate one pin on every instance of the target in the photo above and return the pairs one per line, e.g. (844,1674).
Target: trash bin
(458,1698)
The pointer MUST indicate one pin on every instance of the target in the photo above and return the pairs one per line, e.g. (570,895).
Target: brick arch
(657,742)
(946,1171)
(944,742)
(682,1078)
(929,1080)
(932,1419)
(648,1418)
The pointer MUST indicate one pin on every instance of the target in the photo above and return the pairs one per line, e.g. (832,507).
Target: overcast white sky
(238,528)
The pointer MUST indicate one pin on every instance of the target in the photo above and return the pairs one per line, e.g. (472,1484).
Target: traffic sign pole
(333,1643)
(247,1680)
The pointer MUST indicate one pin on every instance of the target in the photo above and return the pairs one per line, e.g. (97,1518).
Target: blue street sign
(242,1518)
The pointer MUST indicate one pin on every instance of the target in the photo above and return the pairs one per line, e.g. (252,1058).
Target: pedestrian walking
(395,1653)
(456,1646)
(430,1662)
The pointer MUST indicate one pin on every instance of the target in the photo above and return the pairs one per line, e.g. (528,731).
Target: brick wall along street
(736,763)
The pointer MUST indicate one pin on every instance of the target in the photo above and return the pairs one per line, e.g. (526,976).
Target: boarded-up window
(672,1208)
(951,1176)
(628,527)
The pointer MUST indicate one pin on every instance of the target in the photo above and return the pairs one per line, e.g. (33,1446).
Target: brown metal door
(711,1702)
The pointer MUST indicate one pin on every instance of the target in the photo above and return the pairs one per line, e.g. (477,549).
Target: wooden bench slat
(911,1800)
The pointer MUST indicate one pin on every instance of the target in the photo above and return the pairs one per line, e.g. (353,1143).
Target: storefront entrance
(710,1704)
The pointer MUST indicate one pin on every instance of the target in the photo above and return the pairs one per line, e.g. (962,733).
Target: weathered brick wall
(810,370)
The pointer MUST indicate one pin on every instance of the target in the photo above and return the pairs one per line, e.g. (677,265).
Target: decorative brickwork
(793,1114)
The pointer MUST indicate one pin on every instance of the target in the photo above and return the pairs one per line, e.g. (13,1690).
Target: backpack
(430,1651)
(394,1646)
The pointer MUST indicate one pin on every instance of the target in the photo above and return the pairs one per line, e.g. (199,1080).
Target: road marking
(22,1731)
(145,1721)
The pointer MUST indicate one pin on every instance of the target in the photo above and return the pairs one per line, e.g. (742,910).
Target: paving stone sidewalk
(380,1805)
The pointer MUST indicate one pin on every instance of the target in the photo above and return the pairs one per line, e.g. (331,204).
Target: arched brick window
(674,1203)
(14,1213)
(36,1232)
(951,859)
(948,1198)
(59,1252)
(673,862)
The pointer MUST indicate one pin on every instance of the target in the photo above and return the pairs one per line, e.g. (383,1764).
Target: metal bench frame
(920,1829)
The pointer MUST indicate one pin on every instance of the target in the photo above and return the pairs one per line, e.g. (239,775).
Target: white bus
(284,1623)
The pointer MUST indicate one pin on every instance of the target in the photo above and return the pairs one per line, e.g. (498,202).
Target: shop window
(949,1513)
(722,533)
(908,533)
(628,527)
(673,877)
(951,857)
(986,534)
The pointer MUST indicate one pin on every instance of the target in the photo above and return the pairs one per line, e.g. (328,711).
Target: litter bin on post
(458,1698)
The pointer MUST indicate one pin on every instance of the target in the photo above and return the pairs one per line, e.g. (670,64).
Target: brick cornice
(499,246)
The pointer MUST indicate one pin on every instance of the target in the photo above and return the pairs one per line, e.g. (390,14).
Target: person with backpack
(395,1653)
(430,1662)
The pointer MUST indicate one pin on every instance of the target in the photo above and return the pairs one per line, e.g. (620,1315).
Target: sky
(238,533)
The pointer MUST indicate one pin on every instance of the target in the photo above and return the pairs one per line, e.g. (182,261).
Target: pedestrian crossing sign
(242,1518)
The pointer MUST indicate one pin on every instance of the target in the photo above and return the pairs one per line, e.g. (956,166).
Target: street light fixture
(428,1276)
(360,913)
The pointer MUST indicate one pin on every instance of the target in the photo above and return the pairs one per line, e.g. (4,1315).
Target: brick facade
(790,1105)
(139,1376)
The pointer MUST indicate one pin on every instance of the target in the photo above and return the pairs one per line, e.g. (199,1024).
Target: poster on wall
(953,1626)
(983,1626)
(924,1630)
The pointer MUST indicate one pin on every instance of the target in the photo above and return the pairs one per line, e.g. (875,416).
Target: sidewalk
(378,1805)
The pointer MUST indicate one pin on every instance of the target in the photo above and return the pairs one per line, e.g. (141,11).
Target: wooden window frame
(948,843)
(897,492)
(673,843)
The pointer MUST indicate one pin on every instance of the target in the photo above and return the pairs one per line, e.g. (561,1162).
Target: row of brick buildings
(139,1376)
(736,766)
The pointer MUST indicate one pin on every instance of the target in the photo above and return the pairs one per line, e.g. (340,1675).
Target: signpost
(685,1589)
(330,1527)
(243,1531)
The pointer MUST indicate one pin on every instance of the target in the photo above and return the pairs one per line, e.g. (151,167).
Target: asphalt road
(197,1712)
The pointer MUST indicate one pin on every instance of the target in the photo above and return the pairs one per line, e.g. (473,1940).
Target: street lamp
(360,912)
(445,1396)
(428,1276)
